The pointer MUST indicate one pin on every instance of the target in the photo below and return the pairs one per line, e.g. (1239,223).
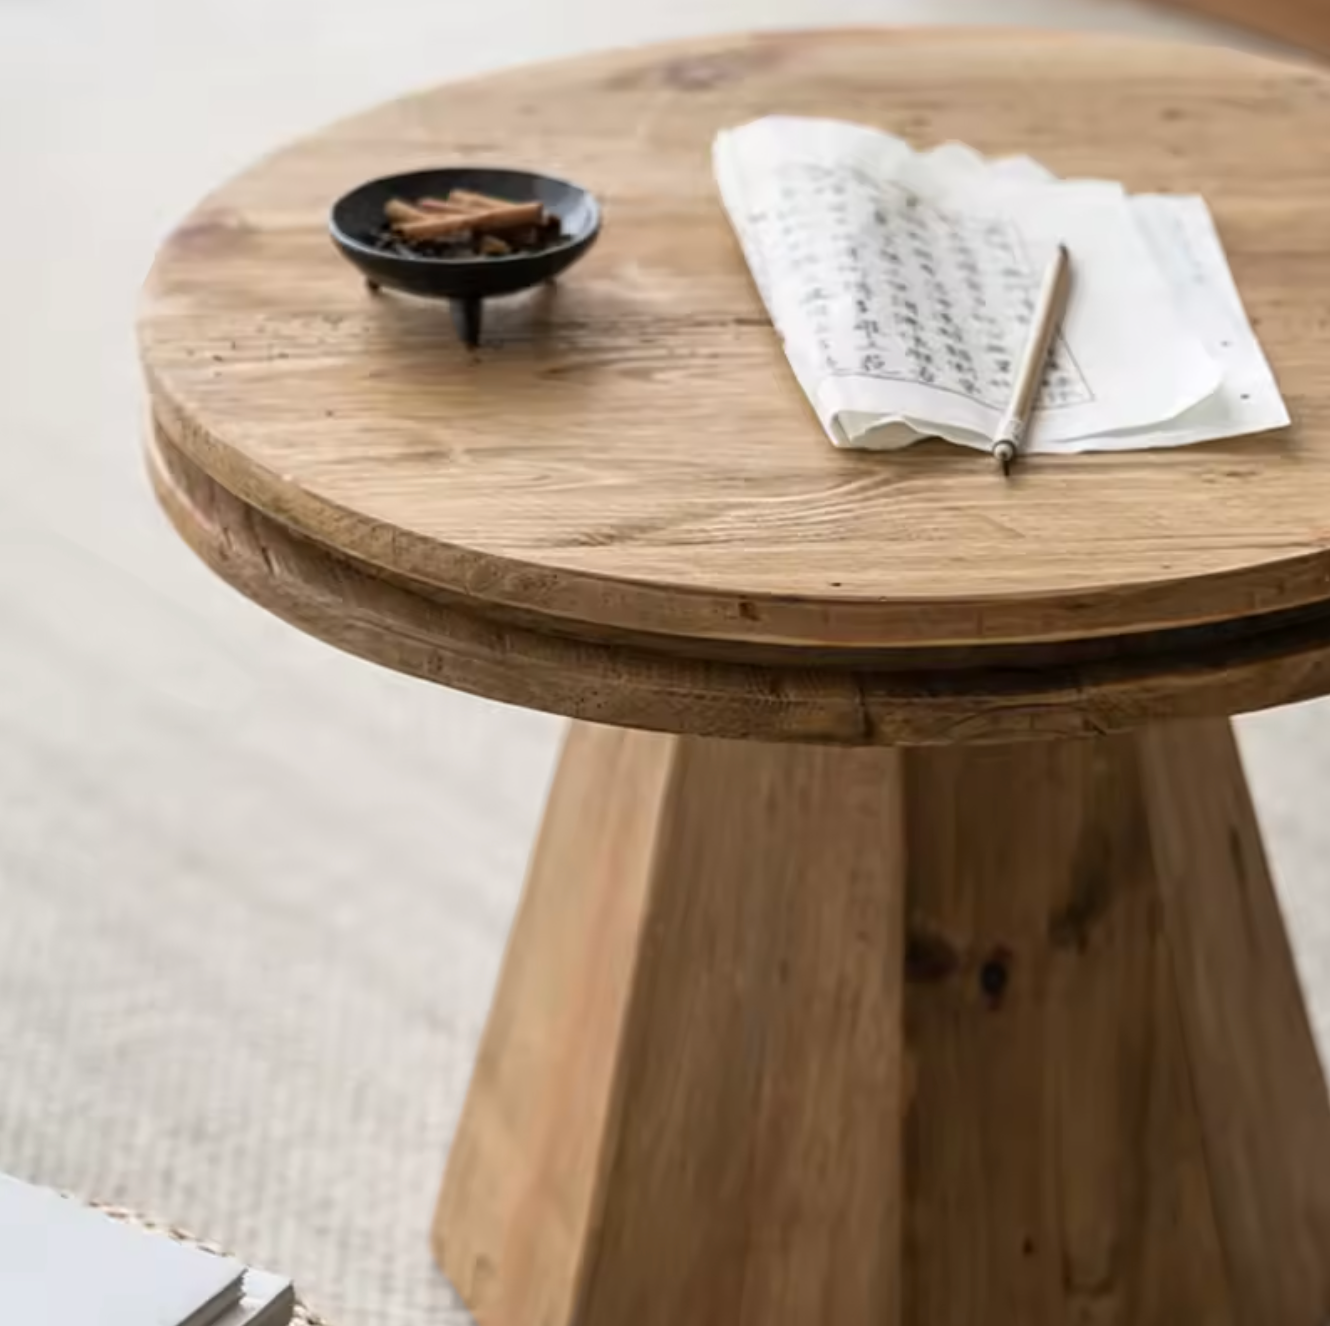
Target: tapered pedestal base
(970,1036)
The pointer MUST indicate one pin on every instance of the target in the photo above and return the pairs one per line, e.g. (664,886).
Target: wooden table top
(629,461)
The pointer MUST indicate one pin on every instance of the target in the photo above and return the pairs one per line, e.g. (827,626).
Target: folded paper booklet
(903,284)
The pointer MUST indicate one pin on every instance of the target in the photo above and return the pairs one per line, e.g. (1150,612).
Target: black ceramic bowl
(466,281)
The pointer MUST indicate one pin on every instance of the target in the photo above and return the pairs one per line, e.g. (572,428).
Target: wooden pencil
(1030,372)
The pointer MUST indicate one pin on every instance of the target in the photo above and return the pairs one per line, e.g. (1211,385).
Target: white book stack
(64,1264)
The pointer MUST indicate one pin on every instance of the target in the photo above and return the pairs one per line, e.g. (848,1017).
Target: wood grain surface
(630,452)
(1056,1165)
(753,1178)
(524,1172)
(892,698)
(1253,1059)
(994,1037)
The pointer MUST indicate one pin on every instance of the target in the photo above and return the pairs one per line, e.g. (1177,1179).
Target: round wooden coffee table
(954,992)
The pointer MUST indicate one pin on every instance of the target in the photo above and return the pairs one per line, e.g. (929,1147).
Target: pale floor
(253,893)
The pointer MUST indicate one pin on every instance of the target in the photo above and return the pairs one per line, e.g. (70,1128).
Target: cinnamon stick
(398,210)
(441,206)
(477,201)
(510,216)
(507,217)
